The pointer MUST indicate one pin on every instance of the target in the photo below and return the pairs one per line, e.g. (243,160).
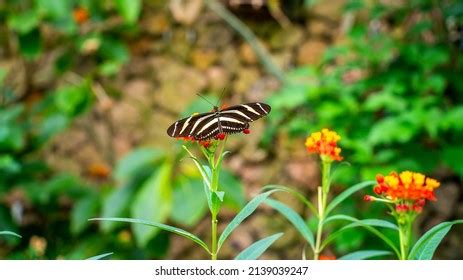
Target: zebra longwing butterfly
(227,121)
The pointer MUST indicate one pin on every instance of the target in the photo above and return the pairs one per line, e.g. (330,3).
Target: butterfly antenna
(200,95)
(221,95)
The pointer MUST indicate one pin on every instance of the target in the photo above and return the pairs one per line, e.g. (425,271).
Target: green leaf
(204,170)
(258,248)
(247,210)
(233,188)
(99,257)
(116,204)
(129,9)
(52,125)
(367,224)
(30,44)
(345,194)
(55,9)
(452,157)
(131,164)
(391,130)
(370,222)
(365,254)
(216,199)
(168,228)
(294,218)
(295,193)
(82,211)
(6,232)
(23,22)
(153,202)
(113,50)
(189,206)
(72,100)
(425,247)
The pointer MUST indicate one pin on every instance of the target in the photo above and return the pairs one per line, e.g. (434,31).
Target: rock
(332,10)
(203,58)
(320,28)
(229,60)
(156,24)
(214,36)
(448,192)
(287,38)
(217,78)
(283,59)
(247,54)
(185,12)
(304,171)
(311,52)
(245,79)
(139,91)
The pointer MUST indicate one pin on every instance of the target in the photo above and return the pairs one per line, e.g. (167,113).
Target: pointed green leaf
(153,202)
(84,209)
(165,227)
(233,188)
(371,222)
(258,248)
(6,232)
(189,204)
(297,194)
(425,247)
(204,170)
(247,210)
(365,254)
(294,218)
(99,257)
(132,163)
(129,9)
(345,194)
(116,204)
(367,224)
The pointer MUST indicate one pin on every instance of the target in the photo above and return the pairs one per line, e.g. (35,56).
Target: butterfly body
(230,120)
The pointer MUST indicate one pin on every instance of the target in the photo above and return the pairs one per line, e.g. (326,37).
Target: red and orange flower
(324,143)
(407,190)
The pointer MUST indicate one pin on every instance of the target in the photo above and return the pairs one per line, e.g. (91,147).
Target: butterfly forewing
(184,127)
(230,120)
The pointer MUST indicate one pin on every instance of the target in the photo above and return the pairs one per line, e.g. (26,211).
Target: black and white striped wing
(208,125)
(187,127)
(248,112)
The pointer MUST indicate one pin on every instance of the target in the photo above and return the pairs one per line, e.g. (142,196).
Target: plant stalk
(322,201)
(214,237)
(405,230)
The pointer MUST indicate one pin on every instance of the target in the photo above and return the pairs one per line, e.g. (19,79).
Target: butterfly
(218,123)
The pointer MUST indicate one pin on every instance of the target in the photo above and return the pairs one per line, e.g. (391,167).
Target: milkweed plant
(404,194)
(214,152)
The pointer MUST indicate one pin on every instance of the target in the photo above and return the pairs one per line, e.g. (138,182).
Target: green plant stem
(322,201)
(247,34)
(405,231)
(214,237)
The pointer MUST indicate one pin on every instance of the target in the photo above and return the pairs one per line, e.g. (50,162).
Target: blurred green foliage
(39,202)
(393,91)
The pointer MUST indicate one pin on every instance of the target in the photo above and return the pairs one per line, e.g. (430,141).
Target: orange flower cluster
(408,190)
(324,143)
(204,143)
(80,15)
